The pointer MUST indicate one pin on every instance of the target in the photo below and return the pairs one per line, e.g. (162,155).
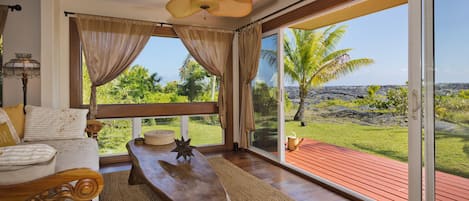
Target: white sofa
(74,153)
(75,171)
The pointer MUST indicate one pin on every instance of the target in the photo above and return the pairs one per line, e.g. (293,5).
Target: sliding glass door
(266,99)
(447,77)
(436,112)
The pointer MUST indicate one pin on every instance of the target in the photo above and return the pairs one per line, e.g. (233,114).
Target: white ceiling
(154,10)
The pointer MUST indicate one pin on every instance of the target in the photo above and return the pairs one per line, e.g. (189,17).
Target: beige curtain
(212,49)
(3,17)
(249,52)
(110,45)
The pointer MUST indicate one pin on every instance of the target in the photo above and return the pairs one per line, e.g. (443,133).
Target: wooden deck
(373,176)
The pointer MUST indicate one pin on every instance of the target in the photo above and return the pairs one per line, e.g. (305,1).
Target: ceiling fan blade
(232,8)
(181,8)
(244,1)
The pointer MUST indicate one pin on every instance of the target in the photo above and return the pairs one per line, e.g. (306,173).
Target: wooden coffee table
(174,179)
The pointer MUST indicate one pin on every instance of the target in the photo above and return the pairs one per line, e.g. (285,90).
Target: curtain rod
(67,13)
(16,7)
(269,15)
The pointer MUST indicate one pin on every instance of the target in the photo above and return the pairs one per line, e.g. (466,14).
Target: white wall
(55,54)
(22,34)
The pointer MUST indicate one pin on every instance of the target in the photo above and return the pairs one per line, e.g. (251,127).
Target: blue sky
(451,41)
(266,72)
(381,36)
(164,56)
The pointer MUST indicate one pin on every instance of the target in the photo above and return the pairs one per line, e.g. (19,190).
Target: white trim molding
(414,100)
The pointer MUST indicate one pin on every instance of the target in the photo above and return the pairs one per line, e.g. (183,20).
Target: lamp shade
(22,64)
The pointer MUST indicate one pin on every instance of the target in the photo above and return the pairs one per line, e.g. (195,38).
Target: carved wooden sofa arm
(58,186)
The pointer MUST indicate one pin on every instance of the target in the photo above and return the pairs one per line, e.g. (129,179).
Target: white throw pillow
(50,124)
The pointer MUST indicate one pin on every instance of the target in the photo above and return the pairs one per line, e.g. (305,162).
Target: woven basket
(159,137)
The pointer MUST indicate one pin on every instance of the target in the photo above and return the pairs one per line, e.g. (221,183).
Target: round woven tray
(159,137)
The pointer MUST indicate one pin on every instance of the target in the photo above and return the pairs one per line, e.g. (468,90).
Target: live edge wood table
(171,179)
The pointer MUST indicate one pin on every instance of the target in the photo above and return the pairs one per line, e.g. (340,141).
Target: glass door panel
(265,97)
(354,125)
(451,100)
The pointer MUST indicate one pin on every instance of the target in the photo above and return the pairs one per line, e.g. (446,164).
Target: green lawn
(116,134)
(452,152)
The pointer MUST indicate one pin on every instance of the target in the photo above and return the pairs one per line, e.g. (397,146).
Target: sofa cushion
(52,124)
(74,153)
(25,154)
(5,119)
(5,136)
(16,115)
(28,173)
(22,163)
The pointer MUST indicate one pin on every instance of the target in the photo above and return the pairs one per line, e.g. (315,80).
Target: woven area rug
(240,185)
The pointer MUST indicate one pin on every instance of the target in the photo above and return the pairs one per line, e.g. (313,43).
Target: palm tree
(311,59)
(136,82)
(189,66)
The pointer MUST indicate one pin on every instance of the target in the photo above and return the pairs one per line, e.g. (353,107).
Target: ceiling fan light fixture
(205,4)
(225,8)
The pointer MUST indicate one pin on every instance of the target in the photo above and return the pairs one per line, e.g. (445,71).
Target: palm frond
(311,58)
(337,69)
(332,38)
(289,69)
(336,54)
(270,56)
(291,53)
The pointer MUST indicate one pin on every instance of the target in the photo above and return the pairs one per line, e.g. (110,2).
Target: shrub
(264,102)
(371,90)
(288,103)
(165,121)
(373,100)
(397,100)
(464,94)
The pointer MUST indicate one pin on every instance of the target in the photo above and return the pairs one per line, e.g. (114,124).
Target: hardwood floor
(294,186)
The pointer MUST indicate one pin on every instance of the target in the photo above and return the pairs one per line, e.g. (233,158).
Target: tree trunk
(214,85)
(301,109)
(300,113)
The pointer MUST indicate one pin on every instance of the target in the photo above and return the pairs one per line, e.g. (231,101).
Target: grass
(370,139)
(452,152)
(337,102)
(112,140)
(200,134)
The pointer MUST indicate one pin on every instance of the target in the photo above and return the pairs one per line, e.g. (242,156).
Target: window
(164,72)
(165,88)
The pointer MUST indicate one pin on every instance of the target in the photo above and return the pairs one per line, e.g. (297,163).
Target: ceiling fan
(224,8)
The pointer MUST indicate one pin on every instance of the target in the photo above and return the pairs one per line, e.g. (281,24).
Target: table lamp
(22,67)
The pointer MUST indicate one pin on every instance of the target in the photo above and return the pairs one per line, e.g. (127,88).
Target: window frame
(107,111)
(127,110)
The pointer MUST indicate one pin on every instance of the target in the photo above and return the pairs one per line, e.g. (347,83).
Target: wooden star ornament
(183,148)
